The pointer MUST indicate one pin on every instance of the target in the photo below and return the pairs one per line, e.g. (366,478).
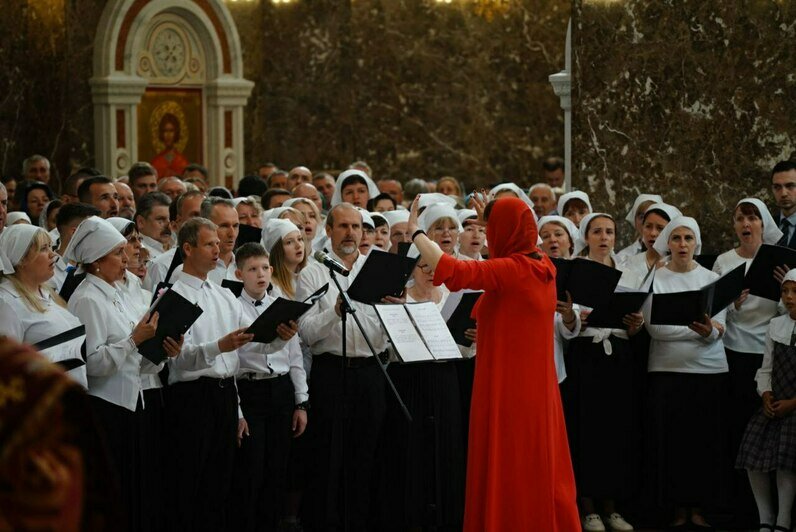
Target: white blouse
(746,327)
(780,330)
(113,363)
(676,348)
(140,299)
(19,322)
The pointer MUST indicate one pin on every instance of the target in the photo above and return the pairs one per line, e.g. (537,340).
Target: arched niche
(180,56)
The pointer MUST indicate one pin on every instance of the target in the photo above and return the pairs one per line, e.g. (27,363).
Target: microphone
(330,263)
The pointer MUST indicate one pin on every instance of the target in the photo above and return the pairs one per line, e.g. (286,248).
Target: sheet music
(453,301)
(434,330)
(403,334)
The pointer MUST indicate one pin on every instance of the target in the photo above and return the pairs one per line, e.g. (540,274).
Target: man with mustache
(152,220)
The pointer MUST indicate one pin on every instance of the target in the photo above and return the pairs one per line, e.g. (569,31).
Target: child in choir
(472,238)
(286,248)
(768,448)
(636,219)
(687,386)
(574,206)
(30,311)
(272,386)
(744,342)
(653,221)
(603,389)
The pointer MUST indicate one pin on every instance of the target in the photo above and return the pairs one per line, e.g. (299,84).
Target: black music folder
(175,316)
(71,283)
(706,260)
(248,233)
(383,274)
(609,315)
(175,261)
(282,311)
(760,277)
(236,287)
(403,248)
(684,308)
(460,320)
(589,283)
(60,339)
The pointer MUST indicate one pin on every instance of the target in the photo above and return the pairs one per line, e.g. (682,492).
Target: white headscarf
(790,276)
(15,216)
(275,213)
(366,218)
(465,214)
(337,197)
(14,243)
(577,194)
(93,239)
(570,227)
(671,211)
(662,242)
(513,188)
(581,242)
(119,223)
(771,233)
(641,198)
(434,213)
(275,230)
(427,199)
(396,217)
(375,215)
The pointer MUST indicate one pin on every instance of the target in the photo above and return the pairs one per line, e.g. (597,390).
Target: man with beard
(100,192)
(152,220)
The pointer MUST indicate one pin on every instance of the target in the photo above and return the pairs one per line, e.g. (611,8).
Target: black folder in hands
(236,287)
(175,316)
(588,282)
(706,260)
(175,261)
(383,274)
(760,277)
(609,315)
(460,320)
(281,311)
(247,234)
(71,283)
(60,339)
(684,308)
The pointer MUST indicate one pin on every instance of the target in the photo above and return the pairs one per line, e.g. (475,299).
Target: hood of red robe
(511,229)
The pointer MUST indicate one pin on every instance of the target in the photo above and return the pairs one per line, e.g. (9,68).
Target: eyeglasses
(425,268)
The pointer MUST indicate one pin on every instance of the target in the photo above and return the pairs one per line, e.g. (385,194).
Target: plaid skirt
(770,444)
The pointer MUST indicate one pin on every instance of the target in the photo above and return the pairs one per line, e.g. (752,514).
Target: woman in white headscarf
(574,206)
(653,221)
(382,238)
(635,217)
(30,310)
(354,187)
(472,238)
(603,388)
(747,322)
(687,389)
(287,253)
(510,190)
(114,330)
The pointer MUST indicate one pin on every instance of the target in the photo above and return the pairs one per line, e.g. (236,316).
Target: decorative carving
(169,52)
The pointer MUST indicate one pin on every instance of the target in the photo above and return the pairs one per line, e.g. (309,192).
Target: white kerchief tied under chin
(14,244)
(93,239)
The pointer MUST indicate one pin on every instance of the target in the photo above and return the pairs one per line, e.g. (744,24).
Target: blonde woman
(30,310)
(286,247)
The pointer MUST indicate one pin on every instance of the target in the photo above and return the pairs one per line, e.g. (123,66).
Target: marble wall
(415,87)
(693,100)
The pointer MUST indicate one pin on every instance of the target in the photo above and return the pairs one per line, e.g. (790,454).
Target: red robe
(519,473)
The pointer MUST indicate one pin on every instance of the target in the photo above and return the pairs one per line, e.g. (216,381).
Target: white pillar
(562,86)
(224,161)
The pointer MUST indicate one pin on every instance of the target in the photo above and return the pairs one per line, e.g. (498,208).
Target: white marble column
(562,86)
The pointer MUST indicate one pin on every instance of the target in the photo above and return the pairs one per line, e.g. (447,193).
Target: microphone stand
(346,308)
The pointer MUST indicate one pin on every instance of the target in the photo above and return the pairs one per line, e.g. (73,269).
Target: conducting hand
(234,340)
(299,422)
(479,201)
(243,430)
(145,329)
(173,347)
(288,330)
(411,224)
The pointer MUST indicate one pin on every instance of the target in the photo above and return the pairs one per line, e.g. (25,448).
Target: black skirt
(602,406)
(421,477)
(688,438)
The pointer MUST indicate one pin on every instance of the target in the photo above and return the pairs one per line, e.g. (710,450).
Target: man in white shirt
(188,206)
(356,434)
(203,417)
(152,220)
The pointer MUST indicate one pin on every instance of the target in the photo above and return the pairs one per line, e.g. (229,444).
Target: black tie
(785,228)
(258,303)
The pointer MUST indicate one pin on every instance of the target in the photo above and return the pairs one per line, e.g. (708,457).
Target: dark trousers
(261,461)
(202,418)
(343,433)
